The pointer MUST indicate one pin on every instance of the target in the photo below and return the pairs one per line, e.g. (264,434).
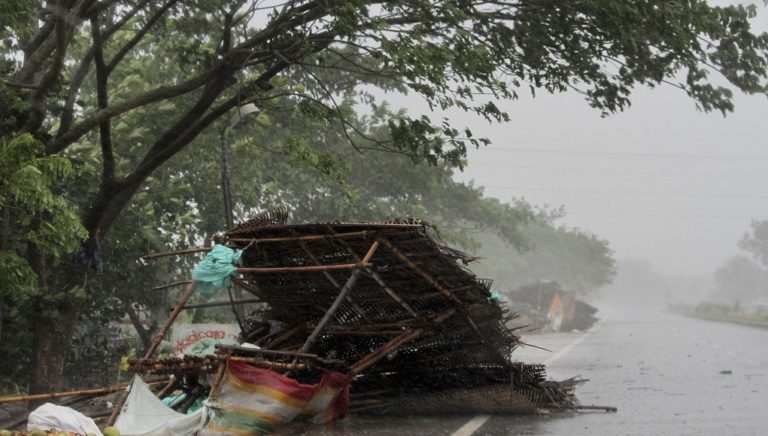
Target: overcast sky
(661,181)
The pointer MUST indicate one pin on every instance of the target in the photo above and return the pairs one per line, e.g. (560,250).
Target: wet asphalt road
(666,374)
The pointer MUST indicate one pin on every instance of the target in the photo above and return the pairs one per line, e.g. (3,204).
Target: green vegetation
(725,312)
(111,113)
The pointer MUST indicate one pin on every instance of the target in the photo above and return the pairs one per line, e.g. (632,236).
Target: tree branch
(139,35)
(153,96)
(67,115)
(105,128)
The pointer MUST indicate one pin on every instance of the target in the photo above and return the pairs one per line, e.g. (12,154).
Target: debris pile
(401,310)
(361,317)
(545,306)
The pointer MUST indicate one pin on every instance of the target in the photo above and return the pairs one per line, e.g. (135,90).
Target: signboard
(186,335)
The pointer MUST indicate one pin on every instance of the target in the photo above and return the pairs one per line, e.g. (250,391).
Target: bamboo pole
(221,303)
(219,377)
(169,388)
(334,282)
(342,235)
(253,289)
(176,253)
(609,409)
(191,287)
(99,391)
(248,350)
(172,284)
(394,344)
(296,269)
(337,302)
(432,281)
(212,364)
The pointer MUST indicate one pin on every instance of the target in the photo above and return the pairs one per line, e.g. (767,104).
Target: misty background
(672,188)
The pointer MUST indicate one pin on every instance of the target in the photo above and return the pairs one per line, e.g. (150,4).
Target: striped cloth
(255,401)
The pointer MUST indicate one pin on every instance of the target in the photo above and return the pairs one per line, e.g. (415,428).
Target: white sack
(52,417)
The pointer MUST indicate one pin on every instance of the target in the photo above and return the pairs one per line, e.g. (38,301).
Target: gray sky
(661,181)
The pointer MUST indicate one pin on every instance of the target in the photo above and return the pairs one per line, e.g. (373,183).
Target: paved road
(667,375)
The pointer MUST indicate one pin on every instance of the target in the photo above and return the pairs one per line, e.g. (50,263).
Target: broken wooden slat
(385,349)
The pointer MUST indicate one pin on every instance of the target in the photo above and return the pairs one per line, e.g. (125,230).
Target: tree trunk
(53,337)
(145,334)
(54,325)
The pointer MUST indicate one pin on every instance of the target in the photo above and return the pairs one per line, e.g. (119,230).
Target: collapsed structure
(380,307)
(546,307)
(361,317)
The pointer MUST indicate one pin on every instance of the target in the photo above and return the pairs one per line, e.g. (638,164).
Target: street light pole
(236,120)
(226,189)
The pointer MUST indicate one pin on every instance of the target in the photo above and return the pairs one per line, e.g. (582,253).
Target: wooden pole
(385,349)
(170,285)
(339,298)
(608,409)
(191,287)
(176,253)
(221,303)
(342,235)
(295,269)
(99,391)
(219,377)
(334,282)
(169,388)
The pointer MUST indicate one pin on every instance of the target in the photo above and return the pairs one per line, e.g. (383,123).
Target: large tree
(755,241)
(197,60)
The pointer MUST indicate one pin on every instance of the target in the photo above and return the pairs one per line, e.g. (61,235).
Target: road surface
(666,374)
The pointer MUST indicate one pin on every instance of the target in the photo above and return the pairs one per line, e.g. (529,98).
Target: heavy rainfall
(437,217)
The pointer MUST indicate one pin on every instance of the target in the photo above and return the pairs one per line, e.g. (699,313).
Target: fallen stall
(356,317)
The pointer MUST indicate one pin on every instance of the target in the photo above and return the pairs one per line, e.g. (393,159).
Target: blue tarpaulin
(214,270)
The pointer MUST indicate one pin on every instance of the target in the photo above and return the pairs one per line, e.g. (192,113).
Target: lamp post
(226,188)
(237,118)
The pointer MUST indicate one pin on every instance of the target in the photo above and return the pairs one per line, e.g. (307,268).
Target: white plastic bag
(52,417)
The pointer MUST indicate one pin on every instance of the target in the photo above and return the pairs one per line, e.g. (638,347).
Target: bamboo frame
(339,298)
(415,268)
(431,280)
(334,282)
(391,292)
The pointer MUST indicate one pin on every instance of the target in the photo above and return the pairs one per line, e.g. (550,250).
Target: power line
(733,217)
(600,171)
(658,194)
(633,156)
